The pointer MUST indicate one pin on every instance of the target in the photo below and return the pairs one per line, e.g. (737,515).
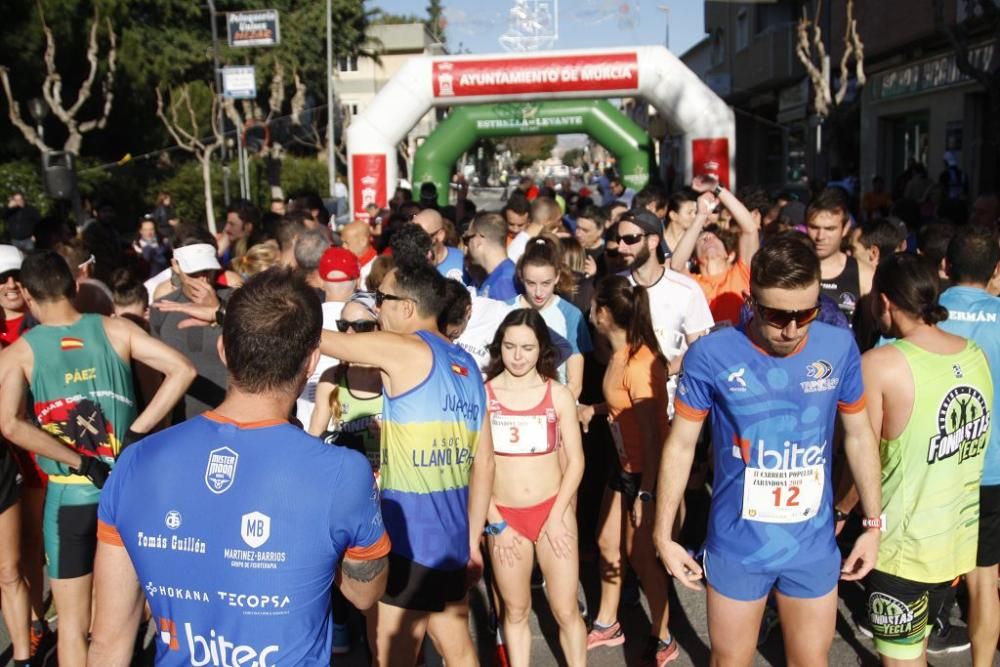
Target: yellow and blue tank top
(430,435)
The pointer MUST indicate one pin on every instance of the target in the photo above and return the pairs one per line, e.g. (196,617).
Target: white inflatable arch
(651,72)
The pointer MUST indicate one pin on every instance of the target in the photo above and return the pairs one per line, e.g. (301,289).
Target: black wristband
(839,515)
(131,437)
(94,469)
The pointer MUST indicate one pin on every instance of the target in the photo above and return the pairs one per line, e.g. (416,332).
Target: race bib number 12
(782,496)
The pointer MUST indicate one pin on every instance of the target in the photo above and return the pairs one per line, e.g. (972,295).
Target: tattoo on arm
(364,571)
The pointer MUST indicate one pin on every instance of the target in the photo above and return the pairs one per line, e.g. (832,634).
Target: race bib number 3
(519,434)
(782,496)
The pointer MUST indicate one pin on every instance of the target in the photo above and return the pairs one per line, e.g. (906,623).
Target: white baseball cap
(197,257)
(10,258)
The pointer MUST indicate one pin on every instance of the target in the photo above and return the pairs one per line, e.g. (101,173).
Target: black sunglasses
(381,297)
(359,326)
(630,239)
(7,275)
(779,318)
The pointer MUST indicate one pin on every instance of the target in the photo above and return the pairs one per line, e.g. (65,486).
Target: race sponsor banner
(710,157)
(553,74)
(368,182)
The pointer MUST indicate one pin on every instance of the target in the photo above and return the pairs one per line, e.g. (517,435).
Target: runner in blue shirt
(973,260)
(773,388)
(450,262)
(486,244)
(235,524)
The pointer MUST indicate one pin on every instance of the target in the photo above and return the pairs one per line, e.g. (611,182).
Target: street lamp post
(38,109)
(219,92)
(666,10)
(331,150)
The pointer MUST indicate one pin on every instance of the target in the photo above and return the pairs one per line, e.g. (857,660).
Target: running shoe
(863,626)
(41,637)
(609,636)
(948,639)
(659,653)
(341,639)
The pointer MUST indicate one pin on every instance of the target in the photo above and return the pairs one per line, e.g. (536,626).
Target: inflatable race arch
(649,72)
(629,143)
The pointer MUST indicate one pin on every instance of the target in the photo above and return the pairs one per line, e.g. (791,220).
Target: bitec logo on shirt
(214,650)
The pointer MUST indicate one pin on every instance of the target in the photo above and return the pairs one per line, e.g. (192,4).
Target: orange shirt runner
(627,382)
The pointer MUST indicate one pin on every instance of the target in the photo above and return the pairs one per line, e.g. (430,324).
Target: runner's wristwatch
(495,529)
(645,496)
(873,522)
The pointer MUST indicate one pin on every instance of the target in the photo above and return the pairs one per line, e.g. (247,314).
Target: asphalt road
(687,622)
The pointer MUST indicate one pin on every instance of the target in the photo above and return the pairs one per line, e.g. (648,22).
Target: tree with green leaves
(435,21)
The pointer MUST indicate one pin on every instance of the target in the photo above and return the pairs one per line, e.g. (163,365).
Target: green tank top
(931,472)
(82,392)
(360,423)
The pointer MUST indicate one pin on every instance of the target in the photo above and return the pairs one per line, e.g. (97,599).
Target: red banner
(710,157)
(368,183)
(558,74)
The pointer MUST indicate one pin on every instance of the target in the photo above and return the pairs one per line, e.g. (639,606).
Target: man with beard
(680,311)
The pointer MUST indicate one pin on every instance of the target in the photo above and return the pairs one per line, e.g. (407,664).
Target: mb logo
(255,528)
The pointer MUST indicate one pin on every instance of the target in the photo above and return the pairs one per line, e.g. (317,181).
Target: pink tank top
(530,432)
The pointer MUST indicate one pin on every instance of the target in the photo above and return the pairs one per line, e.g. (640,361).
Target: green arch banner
(629,143)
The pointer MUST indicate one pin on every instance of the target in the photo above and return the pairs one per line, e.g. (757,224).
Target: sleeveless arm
(15,366)
(118,603)
(405,359)
(178,372)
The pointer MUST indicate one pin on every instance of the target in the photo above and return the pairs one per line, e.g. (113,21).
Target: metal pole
(331,149)
(666,10)
(218,91)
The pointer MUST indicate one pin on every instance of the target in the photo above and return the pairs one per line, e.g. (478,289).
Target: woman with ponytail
(636,405)
(541,273)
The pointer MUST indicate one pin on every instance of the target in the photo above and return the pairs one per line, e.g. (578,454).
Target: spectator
(150,246)
(239,231)
(163,215)
(876,202)
(21,219)
(196,267)
(309,249)
(485,242)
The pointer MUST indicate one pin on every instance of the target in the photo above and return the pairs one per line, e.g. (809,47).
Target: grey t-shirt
(199,345)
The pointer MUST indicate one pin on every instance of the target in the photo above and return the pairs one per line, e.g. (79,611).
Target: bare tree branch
(190,141)
(804,52)
(277,99)
(14,113)
(106,87)
(52,85)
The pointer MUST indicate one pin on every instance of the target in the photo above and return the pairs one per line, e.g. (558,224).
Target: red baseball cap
(339,259)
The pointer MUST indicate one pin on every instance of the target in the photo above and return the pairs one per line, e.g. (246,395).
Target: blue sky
(478,24)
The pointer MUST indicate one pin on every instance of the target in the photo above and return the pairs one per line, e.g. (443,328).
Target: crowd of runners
(260,441)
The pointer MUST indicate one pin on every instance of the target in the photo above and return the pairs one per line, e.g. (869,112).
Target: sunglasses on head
(381,297)
(779,318)
(630,239)
(359,326)
(7,275)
